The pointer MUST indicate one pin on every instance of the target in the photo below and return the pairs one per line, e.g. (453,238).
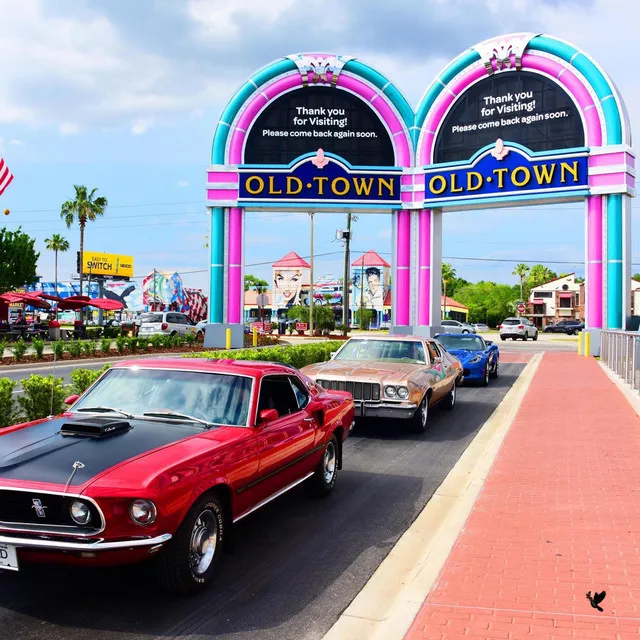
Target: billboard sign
(107,264)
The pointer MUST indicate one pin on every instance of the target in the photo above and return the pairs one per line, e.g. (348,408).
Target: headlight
(79,512)
(390,392)
(403,393)
(475,359)
(143,511)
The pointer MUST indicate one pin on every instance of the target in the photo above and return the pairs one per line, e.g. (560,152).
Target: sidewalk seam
(387,605)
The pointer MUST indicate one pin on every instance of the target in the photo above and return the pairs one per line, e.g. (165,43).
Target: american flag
(197,306)
(5,176)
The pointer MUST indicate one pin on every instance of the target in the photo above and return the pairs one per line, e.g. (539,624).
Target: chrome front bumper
(95,545)
(366,409)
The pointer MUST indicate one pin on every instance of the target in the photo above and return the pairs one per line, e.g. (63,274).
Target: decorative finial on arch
(504,52)
(500,152)
(318,66)
(320,160)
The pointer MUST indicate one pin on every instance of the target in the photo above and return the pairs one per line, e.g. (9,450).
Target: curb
(629,393)
(388,603)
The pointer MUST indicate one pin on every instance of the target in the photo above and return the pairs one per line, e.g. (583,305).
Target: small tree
(57,244)
(521,270)
(252,282)
(364,318)
(18,259)
(448,276)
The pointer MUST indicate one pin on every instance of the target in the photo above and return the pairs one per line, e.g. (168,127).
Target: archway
(311,132)
(564,136)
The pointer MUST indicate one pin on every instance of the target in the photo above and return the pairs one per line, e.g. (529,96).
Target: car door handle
(308,420)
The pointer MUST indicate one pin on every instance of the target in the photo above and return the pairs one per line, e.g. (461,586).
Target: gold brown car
(399,377)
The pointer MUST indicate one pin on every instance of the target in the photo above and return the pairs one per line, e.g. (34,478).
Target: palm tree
(448,274)
(56,243)
(84,208)
(521,270)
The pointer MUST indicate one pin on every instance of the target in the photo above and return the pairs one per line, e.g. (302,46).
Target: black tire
(502,338)
(465,331)
(525,337)
(420,418)
(535,336)
(323,480)
(173,333)
(485,376)
(514,338)
(175,569)
(450,400)
(494,373)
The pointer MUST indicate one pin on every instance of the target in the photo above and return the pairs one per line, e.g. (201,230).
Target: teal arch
(284,65)
(614,134)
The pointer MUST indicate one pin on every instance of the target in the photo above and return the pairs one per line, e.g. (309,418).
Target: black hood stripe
(40,454)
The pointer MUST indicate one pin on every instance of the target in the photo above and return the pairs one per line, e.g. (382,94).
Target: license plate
(8,557)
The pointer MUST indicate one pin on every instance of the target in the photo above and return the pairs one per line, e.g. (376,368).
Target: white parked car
(167,323)
(518,328)
(453,326)
(480,327)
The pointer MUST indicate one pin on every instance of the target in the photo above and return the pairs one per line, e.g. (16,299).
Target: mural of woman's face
(288,284)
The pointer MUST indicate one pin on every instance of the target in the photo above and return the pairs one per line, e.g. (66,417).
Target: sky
(125,97)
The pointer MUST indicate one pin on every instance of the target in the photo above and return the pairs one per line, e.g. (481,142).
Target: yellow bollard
(580,343)
(255,336)
(587,344)
(228,338)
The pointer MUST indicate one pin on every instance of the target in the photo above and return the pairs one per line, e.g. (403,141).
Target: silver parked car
(453,326)
(167,323)
(518,328)
(481,327)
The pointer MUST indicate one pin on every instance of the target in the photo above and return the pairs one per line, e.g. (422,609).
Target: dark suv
(570,327)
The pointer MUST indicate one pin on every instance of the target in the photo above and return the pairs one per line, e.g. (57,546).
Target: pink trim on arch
(222,176)
(614,159)
(235,287)
(222,194)
(357,86)
(609,179)
(424,274)
(567,79)
(403,261)
(594,269)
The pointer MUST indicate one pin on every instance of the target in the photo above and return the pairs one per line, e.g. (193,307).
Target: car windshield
(472,343)
(215,398)
(148,318)
(409,351)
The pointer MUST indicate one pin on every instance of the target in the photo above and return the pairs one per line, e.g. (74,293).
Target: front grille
(18,510)
(359,390)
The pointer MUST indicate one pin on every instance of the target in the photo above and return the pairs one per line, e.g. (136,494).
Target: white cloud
(182,183)
(16,143)
(141,126)
(69,128)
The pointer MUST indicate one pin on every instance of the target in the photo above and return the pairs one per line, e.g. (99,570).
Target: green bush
(190,338)
(343,329)
(90,347)
(143,343)
(94,332)
(112,332)
(105,345)
(157,340)
(43,396)
(132,344)
(7,407)
(74,347)
(297,356)
(82,379)
(3,347)
(121,343)
(38,347)
(177,340)
(19,349)
(58,349)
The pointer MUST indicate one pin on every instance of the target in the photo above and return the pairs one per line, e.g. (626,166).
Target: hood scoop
(98,428)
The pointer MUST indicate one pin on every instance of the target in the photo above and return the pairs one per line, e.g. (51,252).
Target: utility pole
(345,281)
(311,284)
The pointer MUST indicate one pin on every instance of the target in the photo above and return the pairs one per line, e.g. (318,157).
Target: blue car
(479,357)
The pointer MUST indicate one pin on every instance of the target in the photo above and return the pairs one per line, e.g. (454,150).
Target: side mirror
(268,415)
(71,399)
(333,354)
(489,342)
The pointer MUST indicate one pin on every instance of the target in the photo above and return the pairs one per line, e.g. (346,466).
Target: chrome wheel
(204,540)
(424,412)
(329,462)
(486,375)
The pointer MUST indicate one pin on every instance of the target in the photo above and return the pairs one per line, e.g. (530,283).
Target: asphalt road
(297,563)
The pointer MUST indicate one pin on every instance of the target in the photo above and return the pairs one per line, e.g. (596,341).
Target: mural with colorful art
(522,119)
(291,275)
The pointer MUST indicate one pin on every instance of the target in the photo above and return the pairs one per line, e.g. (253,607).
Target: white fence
(620,351)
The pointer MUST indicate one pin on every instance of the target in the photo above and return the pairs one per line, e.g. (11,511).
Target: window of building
(543,294)
(565,303)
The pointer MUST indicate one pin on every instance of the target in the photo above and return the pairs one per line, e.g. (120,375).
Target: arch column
(234,266)
(401,288)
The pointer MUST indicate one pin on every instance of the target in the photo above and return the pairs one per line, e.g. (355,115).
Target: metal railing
(620,352)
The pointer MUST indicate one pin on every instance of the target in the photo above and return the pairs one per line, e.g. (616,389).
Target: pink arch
(594,134)
(401,144)
(563,75)
(378,103)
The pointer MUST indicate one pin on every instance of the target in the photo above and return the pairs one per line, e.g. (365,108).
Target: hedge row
(298,356)
(42,395)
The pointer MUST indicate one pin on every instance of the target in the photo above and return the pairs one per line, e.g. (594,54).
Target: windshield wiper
(177,416)
(106,410)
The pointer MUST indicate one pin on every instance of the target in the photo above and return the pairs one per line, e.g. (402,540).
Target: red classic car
(159,458)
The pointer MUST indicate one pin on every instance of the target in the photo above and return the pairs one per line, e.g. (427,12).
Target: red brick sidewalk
(558,516)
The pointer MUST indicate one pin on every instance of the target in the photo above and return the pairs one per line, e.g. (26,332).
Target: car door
(286,443)
(437,370)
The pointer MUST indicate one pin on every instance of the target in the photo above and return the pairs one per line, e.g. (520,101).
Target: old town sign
(506,170)
(321,179)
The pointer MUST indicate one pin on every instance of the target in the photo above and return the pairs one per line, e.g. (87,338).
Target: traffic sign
(521,308)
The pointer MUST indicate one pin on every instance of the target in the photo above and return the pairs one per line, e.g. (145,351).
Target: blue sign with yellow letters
(506,170)
(320,178)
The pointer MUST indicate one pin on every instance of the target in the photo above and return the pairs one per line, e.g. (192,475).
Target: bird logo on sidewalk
(596,599)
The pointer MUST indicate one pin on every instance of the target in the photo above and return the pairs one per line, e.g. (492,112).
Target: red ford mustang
(159,458)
